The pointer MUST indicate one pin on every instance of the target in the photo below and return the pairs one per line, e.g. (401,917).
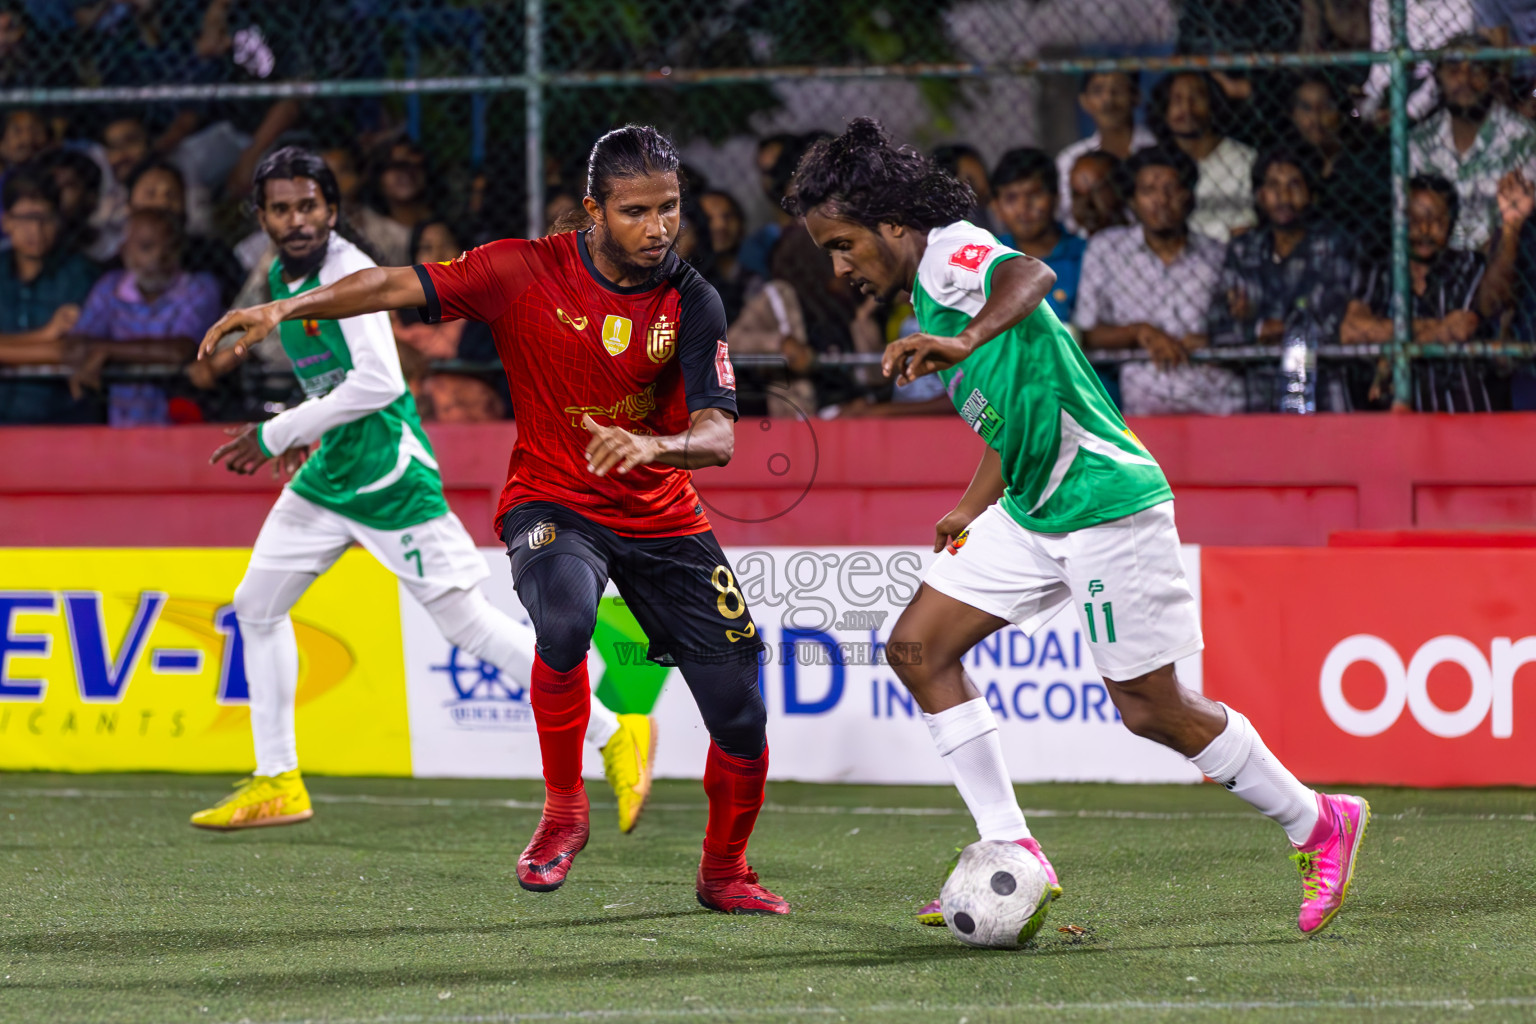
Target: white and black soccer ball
(996,897)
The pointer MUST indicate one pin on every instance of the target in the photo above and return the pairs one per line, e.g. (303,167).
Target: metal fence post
(533,69)
(1402,376)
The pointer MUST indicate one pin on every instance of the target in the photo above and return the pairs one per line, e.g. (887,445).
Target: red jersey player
(616,356)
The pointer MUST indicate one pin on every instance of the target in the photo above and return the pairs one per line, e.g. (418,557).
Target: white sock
(966,737)
(272,669)
(271,662)
(1239,760)
(602,723)
(477,627)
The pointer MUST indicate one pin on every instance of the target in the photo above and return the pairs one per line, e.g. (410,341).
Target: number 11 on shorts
(1109,622)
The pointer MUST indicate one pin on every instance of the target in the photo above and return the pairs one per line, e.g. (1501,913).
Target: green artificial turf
(398,903)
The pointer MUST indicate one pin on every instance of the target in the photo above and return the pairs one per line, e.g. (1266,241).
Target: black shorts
(681,590)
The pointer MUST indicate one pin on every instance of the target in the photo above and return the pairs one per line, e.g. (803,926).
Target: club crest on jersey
(311,328)
(661,342)
(616,332)
(969,257)
(540,535)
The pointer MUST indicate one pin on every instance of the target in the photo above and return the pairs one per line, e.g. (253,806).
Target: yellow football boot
(627,760)
(259,800)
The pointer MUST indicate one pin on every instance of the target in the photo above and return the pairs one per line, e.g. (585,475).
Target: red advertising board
(1378,665)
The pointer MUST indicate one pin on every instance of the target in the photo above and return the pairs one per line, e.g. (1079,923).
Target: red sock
(562,702)
(734,786)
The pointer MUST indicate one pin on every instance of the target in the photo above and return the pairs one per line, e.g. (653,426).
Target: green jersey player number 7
(372,481)
(1067,508)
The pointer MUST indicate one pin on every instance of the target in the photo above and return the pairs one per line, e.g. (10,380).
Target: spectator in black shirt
(727,229)
(1294,257)
(1354,166)
(1450,300)
(78,180)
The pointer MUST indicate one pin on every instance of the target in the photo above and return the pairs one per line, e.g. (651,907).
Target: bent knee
(743,732)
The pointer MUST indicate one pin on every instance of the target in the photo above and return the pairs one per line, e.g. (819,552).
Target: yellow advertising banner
(131,660)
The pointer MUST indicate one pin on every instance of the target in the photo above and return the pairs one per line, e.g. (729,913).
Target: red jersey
(574,344)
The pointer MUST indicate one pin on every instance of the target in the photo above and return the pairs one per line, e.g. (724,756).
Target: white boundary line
(1120,1006)
(74,793)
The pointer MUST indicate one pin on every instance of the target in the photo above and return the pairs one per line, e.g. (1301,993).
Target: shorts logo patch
(540,535)
(661,342)
(745,634)
(955,545)
(969,257)
(616,332)
(725,373)
(1095,588)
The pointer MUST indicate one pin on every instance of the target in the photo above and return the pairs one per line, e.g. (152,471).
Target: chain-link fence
(1245,200)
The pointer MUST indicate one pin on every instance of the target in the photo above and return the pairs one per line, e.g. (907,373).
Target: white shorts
(1125,578)
(431,558)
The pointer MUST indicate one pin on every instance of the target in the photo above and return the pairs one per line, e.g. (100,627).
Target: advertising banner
(1403,667)
(130,660)
(837,713)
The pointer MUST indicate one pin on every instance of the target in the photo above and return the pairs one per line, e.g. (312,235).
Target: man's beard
(1474,112)
(628,268)
(1166,234)
(296,268)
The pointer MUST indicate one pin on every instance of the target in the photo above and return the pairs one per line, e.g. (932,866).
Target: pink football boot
(1327,860)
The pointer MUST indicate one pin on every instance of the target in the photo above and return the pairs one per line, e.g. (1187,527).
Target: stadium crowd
(1208,210)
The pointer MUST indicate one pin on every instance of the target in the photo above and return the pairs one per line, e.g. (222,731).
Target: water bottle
(1298,362)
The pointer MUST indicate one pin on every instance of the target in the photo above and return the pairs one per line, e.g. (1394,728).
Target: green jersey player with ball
(1067,507)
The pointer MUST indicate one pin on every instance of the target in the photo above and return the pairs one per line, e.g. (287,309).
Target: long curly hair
(861,176)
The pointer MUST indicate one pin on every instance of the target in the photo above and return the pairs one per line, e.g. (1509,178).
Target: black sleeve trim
(725,402)
(432,312)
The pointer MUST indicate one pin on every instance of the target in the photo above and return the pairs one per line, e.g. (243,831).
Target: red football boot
(738,895)
(550,853)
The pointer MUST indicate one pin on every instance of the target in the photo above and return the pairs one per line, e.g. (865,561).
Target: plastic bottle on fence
(1298,362)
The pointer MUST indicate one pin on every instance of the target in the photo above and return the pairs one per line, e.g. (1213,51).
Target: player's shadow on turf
(681,963)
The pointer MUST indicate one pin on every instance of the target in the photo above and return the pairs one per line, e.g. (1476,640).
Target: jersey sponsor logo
(312,328)
(725,373)
(635,406)
(981,416)
(541,535)
(580,322)
(661,341)
(616,332)
(322,383)
(969,257)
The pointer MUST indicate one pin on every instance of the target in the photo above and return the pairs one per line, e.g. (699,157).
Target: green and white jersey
(375,464)
(1068,459)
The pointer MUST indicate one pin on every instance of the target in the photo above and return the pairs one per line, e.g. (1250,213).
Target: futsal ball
(996,897)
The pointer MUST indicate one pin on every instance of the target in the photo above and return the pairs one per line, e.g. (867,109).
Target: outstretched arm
(1019,285)
(373,290)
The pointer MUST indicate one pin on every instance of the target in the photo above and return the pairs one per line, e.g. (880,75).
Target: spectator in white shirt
(1149,286)
(1183,103)
(1111,99)
(1474,141)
